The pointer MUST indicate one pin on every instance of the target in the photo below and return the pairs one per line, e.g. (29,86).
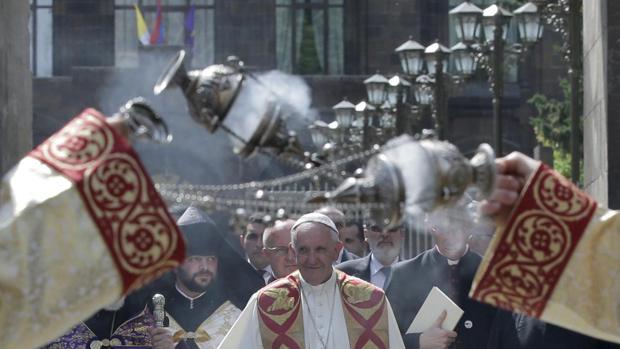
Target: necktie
(386,272)
(261,273)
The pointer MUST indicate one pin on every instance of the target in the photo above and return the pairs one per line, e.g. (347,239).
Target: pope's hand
(161,338)
(513,171)
(436,337)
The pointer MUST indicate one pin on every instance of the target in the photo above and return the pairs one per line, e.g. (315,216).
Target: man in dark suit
(385,245)
(450,266)
(352,236)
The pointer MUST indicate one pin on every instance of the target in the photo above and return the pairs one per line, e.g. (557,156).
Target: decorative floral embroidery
(536,245)
(131,216)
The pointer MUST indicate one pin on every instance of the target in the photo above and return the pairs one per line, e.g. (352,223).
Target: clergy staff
(81,224)
(316,306)
(555,253)
(205,295)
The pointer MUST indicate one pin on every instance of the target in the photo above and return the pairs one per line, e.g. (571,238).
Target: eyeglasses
(278,250)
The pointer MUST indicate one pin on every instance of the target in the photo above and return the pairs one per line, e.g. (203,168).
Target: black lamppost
(437,64)
(364,113)
(397,101)
(429,88)
(411,56)
(490,48)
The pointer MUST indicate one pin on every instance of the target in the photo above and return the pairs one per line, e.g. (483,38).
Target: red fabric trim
(290,289)
(536,244)
(377,298)
(132,219)
(290,285)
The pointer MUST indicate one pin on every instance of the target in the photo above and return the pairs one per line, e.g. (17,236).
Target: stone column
(601,33)
(15,83)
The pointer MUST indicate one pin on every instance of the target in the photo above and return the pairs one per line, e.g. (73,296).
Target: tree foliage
(552,126)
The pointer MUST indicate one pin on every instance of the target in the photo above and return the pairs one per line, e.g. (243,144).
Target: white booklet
(435,303)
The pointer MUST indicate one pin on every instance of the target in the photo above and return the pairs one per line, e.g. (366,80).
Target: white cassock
(80,225)
(321,306)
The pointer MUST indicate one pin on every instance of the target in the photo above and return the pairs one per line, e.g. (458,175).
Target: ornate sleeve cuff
(132,219)
(528,256)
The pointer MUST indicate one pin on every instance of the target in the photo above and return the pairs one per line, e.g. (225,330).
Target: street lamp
(495,22)
(319,133)
(528,23)
(345,115)
(376,88)
(494,19)
(411,57)
(467,17)
(464,61)
(398,90)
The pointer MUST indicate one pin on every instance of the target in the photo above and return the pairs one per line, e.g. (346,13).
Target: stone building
(86,53)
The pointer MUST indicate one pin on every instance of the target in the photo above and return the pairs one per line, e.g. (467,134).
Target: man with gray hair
(276,240)
(314,306)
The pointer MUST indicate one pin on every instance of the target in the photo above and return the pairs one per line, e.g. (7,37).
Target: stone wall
(597,125)
(15,83)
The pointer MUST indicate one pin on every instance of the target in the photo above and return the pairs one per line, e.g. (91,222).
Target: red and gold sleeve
(80,225)
(556,259)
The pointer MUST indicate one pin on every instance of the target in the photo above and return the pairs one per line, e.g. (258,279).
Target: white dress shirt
(266,275)
(319,304)
(377,277)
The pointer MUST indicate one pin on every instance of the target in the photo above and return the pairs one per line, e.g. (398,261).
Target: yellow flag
(143,33)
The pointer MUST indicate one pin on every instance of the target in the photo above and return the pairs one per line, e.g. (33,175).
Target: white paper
(435,303)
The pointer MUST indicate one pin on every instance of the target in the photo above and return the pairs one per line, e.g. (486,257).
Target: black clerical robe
(412,280)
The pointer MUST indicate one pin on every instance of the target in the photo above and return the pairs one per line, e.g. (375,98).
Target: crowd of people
(318,281)
(296,285)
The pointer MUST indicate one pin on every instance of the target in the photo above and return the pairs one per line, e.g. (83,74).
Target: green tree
(552,127)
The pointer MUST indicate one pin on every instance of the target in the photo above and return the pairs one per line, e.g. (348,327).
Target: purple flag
(189,27)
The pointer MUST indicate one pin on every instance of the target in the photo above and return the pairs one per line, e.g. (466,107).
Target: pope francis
(316,306)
